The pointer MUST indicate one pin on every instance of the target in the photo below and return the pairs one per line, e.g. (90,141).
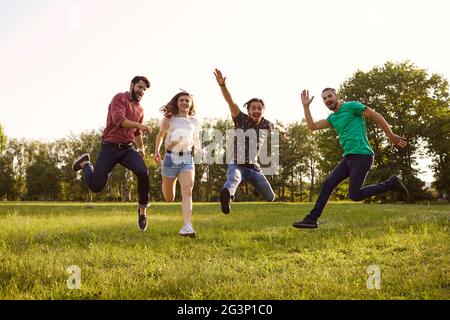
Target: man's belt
(120,146)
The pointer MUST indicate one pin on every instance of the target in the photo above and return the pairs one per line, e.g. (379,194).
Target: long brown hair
(171,108)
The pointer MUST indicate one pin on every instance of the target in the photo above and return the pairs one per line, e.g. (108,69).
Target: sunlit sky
(61,62)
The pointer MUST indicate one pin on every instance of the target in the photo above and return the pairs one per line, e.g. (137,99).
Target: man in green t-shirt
(348,118)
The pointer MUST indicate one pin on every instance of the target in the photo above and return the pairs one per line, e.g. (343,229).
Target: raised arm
(382,123)
(321,124)
(234,108)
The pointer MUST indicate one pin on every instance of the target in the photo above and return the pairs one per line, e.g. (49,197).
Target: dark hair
(171,108)
(326,89)
(139,78)
(249,102)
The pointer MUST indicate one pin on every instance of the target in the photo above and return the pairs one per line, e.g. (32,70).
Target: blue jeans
(355,166)
(110,155)
(237,173)
(173,164)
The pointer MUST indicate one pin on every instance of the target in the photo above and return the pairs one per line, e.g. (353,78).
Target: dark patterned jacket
(244,122)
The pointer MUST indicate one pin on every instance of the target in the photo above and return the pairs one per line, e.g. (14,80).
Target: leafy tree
(21,152)
(153,167)
(43,175)
(214,175)
(298,161)
(437,136)
(67,150)
(406,97)
(2,140)
(7,180)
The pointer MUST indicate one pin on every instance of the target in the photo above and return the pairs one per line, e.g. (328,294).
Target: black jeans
(355,166)
(110,155)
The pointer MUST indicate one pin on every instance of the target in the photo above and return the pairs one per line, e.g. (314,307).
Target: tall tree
(298,160)
(43,174)
(2,140)
(68,149)
(7,181)
(406,96)
(438,138)
(153,167)
(215,173)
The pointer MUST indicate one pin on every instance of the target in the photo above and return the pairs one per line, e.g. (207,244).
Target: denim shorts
(173,164)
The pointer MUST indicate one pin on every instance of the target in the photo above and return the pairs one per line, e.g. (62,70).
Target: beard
(333,106)
(134,96)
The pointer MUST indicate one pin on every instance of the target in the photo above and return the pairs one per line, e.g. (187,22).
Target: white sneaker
(187,231)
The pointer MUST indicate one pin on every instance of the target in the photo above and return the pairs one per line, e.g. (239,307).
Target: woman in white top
(183,137)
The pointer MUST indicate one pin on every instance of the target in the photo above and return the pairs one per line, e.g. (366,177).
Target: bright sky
(61,62)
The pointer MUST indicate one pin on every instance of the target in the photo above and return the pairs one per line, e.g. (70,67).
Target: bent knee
(169,197)
(143,174)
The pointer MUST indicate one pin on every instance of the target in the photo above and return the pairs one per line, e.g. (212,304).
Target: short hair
(249,102)
(326,89)
(139,78)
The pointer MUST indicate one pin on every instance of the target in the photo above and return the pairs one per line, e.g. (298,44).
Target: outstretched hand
(219,77)
(306,101)
(397,141)
(157,157)
(144,128)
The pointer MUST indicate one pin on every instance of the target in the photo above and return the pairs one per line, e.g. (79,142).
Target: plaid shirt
(244,122)
(122,107)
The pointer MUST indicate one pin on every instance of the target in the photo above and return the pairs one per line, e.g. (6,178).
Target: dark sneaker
(76,166)
(142,221)
(399,186)
(307,222)
(225,199)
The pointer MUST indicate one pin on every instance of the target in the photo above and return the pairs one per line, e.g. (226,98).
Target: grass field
(253,253)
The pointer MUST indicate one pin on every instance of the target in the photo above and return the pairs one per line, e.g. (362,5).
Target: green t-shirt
(351,128)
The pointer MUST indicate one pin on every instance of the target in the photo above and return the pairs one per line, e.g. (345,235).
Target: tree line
(414,103)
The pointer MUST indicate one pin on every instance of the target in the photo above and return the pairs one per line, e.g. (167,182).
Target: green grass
(253,253)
